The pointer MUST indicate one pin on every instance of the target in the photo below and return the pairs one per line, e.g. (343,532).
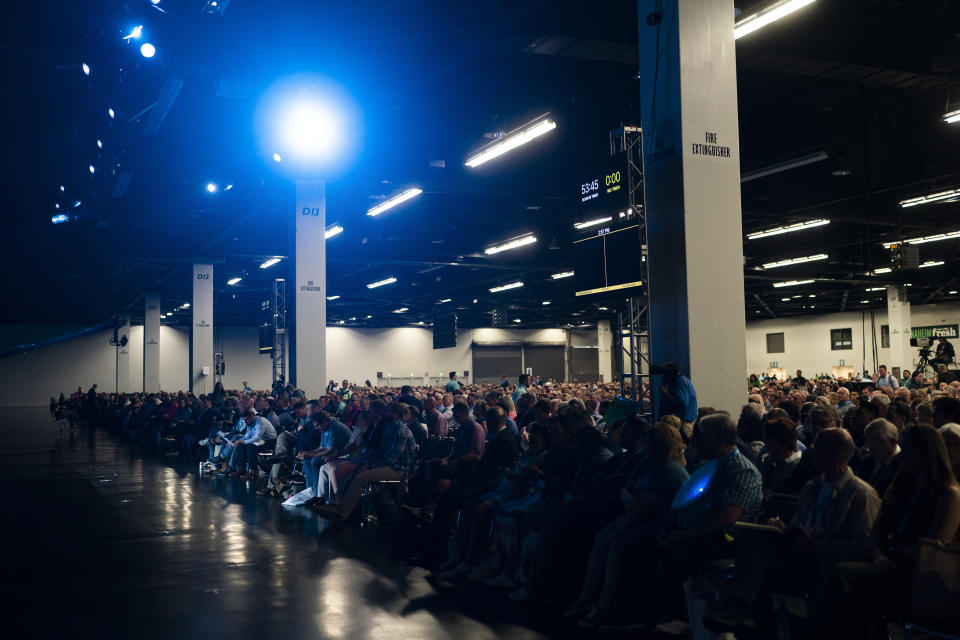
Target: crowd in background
(821,488)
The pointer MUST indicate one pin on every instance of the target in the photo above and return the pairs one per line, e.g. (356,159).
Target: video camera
(923,343)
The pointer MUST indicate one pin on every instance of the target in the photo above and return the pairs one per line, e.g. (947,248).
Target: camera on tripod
(923,343)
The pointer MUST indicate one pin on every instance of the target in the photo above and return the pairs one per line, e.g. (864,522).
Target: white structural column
(604,350)
(123,354)
(151,343)
(201,330)
(692,195)
(898,319)
(308,344)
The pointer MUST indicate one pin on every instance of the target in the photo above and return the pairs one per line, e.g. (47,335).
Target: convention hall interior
(482,319)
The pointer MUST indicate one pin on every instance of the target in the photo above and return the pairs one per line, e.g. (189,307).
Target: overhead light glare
(592,223)
(767,15)
(786,263)
(269,262)
(800,226)
(92,169)
(939,196)
(211,187)
(333,297)
(62,189)
(512,244)
(951,235)
(870,289)
(545,303)
(233,281)
(147,50)
(99,144)
(516,320)
(85,68)
(504,287)
(135,33)
(276,157)
(791,283)
(446,300)
(57,219)
(111,112)
(882,270)
(931,263)
(185,305)
(952,117)
(380,283)
(561,275)
(390,203)
(400,310)
(784,299)
(511,141)
(332,231)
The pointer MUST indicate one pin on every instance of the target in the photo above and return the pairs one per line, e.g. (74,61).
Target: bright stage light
(111,112)
(767,15)
(58,219)
(85,68)
(511,141)
(99,144)
(390,203)
(135,33)
(269,262)
(147,50)
(380,283)
(62,189)
(233,281)
(211,187)
(276,157)
(512,244)
(310,129)
(334,230)
(505,287)
(92,169)
(56,206)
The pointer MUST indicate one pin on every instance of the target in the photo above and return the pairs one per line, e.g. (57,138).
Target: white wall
(807,339)
(355,354)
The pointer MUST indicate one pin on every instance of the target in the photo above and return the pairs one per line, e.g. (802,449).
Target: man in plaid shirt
(392,459)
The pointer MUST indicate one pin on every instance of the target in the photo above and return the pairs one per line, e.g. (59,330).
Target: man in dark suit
(883,462)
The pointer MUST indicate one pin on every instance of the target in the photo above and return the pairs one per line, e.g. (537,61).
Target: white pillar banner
(899,323)
(151,343)
(309,350)
(604,351)
(201,342)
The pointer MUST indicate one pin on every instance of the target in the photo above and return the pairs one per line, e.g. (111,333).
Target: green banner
(941,330)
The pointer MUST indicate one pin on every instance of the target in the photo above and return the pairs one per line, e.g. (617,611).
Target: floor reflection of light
(185,499)
(233,538)
(168,499)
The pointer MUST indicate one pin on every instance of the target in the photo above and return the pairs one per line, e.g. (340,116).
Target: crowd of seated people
(553,496)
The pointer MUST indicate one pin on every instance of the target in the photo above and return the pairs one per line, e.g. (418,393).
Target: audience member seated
(784,468)
(882,463)
(923,501)
(832,523)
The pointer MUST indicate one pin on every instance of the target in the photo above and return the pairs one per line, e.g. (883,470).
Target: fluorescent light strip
(380,283)
(767,15)
(800,226)
(335,230)
(512,244)
(234,280)
(269,262)
(786,263)
(446,300)
(400,310)
(512,285)
(931,263)
(869,289)
(510,142)
(952,117)
(333,297)
(940,196)
(563,274)
(390,203)
(593,223)
(882,270)
(952,235)
(791,283)
(545,303)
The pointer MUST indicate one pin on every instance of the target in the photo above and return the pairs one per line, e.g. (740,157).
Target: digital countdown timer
(609,183)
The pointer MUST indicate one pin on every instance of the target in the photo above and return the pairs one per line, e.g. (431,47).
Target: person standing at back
(453,384)
(522,386)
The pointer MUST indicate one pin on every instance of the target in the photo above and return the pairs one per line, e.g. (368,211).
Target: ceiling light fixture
(505,287)
(380,283)
(882,270)
(334,230)
(592,223)
(333,297)
(951,235)
(390,203)
(85,68)
(871,289)
(561,275)
(931,263)
(522,241)
(401,310)
(511,141)
(767,15)
(791,283)
(952,117)
(545,303)
(784,165)
(446,300)
(800,226)
(786,263)
(269,262)
(939,196)
(233,281)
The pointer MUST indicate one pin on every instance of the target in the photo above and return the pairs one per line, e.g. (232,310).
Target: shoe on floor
(502,581)
(460,569)
(298,499)
(520,595)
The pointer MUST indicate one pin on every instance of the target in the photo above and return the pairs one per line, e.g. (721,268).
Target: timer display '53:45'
(587,187)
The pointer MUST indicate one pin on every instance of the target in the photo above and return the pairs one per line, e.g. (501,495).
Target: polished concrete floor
(102,541)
